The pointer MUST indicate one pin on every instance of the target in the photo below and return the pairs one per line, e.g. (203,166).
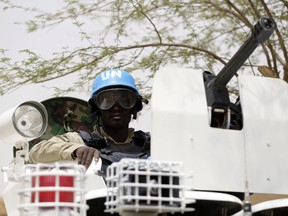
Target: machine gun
(247,160)
(225,114)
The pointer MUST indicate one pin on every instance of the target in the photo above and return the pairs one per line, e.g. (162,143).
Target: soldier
(114,99)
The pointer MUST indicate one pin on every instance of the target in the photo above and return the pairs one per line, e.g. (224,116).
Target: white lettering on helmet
(111,74)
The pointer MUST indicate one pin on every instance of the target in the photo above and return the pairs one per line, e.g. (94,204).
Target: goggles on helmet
(106,99)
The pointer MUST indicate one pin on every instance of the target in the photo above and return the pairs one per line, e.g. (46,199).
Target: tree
(144,35)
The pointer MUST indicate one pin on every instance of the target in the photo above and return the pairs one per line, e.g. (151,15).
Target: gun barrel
(261,31)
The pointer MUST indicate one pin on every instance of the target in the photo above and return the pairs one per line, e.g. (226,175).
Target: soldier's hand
(85,155)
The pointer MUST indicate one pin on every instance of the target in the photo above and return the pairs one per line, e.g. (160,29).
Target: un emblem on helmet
(111,74)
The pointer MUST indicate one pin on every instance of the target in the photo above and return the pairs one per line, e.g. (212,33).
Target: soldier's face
(116,117)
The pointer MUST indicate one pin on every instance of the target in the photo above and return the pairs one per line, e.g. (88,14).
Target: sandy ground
(2,207)
(255,198)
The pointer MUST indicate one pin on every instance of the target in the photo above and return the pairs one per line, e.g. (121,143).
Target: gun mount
(223,112)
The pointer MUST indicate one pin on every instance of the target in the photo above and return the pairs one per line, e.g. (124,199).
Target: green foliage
(145,35)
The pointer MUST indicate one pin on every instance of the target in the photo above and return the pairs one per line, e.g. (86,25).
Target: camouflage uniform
(61,147)
(66,116)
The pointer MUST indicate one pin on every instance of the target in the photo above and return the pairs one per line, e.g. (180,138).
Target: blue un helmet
(114,79)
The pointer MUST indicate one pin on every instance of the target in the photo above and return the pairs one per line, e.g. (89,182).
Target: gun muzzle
(263,29)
